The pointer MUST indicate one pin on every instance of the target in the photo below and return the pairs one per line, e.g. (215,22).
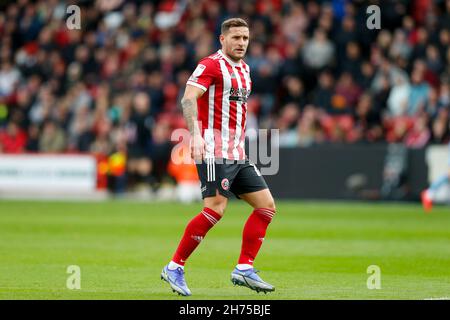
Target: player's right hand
(197,148)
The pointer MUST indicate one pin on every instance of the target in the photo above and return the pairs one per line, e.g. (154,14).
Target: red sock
(254,233)
(194,233)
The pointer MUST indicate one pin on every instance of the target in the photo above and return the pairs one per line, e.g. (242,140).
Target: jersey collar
(234,64)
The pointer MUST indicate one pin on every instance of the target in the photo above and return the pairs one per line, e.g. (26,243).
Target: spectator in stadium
(447,63)
(420,40)
(366,74)
(397,102)
(400,48)
(264,81)
(441,127)
(43,106)
(80,134)
(382,95)
(286,124)
(351,63)
(319,51)
(33,139)
(419,134)
(418,93)
(139,129)
(388,70)
(292,65)
(309,130)
(323,93)
(102,144)
(160,149)
(12,139)
(9,78)
(294,92)
(433,59)
(367,121)
(295,22)
(348,92)
(444,93)
(52,138)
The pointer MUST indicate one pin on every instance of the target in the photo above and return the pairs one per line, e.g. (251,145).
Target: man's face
(235,42)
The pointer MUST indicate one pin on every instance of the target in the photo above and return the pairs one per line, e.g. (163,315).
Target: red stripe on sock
(213,213)
(265,212)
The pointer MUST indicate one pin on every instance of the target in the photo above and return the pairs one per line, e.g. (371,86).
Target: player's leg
(214,204)
(257,223)
(197,228)
(194,233)
(251,187)
(429,194)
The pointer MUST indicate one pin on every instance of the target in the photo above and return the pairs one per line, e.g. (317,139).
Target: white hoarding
(48,173)
(437,158)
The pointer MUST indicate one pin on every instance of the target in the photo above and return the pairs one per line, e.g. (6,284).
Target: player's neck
(230,59)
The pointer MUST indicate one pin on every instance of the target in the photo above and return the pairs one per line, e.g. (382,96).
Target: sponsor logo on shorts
(225,184)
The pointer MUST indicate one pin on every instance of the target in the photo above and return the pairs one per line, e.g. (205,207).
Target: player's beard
(236,55)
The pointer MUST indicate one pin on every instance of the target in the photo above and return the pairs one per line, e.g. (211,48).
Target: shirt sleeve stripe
(197,85)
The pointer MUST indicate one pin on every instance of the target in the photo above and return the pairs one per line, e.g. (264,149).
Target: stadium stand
(113,87)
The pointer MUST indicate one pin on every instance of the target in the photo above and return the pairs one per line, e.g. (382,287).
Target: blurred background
(89,112)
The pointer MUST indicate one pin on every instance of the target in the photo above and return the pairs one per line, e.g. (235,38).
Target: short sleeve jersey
(222,109)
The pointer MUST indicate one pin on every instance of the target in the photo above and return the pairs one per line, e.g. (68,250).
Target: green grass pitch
(312,250)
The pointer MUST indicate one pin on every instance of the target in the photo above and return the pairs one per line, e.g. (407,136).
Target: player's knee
(218,205)
(218,208)
(271,205)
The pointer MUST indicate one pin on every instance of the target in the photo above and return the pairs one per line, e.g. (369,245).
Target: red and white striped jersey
(222,109)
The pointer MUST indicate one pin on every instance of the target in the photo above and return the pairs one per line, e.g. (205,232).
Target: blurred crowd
(319,75)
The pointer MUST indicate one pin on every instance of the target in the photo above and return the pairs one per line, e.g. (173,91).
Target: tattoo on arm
(190,115)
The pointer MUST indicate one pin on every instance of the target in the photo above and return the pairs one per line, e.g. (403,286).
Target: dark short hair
(233,22)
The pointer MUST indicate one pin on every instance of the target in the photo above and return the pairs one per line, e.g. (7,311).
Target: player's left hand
(197,148)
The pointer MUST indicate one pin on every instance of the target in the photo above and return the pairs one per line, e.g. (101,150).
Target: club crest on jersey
(225,184)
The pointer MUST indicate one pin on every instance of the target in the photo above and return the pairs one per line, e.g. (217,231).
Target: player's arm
(189,106)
